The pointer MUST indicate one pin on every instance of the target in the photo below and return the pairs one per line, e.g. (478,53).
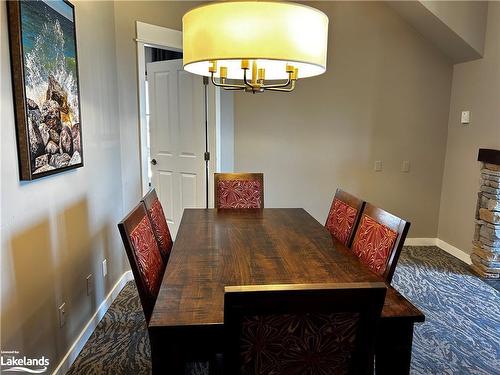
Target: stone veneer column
(486,245)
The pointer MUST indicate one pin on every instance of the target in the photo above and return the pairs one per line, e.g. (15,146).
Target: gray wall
(476,87)
(466,18)
(225,136)
(385,96)
(57,230)
(456,27)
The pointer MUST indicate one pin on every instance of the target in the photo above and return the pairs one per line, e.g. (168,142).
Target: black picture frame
(48,132)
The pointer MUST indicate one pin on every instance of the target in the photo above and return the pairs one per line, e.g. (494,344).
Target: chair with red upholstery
(239,190)
(300,329)
(159,224)
(144,256)
(379,239)
(148,268)
(343,216)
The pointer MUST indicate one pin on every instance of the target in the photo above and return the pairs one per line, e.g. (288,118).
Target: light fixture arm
(245,80)
(257,82)
(289,89)
(225,85)
(278,85)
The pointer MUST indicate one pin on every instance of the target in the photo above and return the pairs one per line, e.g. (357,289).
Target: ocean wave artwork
(50,78)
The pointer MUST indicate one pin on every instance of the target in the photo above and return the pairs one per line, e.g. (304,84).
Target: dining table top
(215,248)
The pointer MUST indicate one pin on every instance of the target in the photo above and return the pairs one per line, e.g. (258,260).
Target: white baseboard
(455,251)
(420,242)
(82,338)
(450,249)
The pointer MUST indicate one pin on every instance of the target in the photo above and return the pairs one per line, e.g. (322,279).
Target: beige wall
(466,18)
(385,96)
(476,87)
(455,27)
(57,230)
(162,13)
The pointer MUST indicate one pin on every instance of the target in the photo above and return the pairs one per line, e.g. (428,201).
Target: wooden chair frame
(148,200)
(400,226)
(126,226)
(365,298)
(238,176)
(354,202)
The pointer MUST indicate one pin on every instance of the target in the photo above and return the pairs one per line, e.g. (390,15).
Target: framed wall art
(44,62)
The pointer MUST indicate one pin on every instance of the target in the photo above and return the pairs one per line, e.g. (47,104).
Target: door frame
(148,35)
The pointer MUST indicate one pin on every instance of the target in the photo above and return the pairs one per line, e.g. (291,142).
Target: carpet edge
(443,245)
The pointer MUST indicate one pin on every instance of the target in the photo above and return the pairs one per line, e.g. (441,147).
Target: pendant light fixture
(243,45)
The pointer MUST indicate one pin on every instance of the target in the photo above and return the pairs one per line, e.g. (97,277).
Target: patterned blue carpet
(461,334)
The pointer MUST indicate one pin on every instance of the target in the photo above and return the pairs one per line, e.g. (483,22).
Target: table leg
(393,348)
(166,357)
(172,349)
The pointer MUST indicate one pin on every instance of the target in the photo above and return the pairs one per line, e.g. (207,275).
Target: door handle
(154,162)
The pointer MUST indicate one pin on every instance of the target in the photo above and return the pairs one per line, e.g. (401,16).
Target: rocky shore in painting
(55,142)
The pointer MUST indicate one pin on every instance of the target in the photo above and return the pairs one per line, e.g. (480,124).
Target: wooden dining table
(218,248)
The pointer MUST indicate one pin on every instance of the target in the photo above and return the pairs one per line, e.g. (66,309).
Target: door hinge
(207,156)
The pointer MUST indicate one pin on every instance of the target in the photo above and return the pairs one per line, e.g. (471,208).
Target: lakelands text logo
(11,361)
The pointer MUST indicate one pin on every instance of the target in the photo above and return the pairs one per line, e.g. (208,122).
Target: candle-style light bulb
(223,72)
(261,75)
(212,68)
(254,71)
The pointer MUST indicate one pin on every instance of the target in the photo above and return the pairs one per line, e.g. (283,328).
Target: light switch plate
(378,166)
(465,118)
(405,166)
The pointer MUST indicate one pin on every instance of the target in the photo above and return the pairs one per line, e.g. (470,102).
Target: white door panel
(177,138)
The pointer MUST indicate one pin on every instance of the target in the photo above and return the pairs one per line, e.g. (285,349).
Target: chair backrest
(343,216)
(144,256)
(379,239)
(159,224)
(239,190)
(301,328)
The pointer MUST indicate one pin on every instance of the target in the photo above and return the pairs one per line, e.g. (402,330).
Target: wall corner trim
(450,249)
(84,335)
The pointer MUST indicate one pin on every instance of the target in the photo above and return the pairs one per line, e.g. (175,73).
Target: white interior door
(177,138)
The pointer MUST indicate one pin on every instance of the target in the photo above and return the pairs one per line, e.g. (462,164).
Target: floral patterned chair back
(301,329)
(379,239)
(239,190)
(343,216)
(144,256)
(159,224)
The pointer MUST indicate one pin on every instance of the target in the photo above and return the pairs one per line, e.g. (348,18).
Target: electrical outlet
(62,315)
(405,166)
(378,166)
(104,268)
(90,285)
